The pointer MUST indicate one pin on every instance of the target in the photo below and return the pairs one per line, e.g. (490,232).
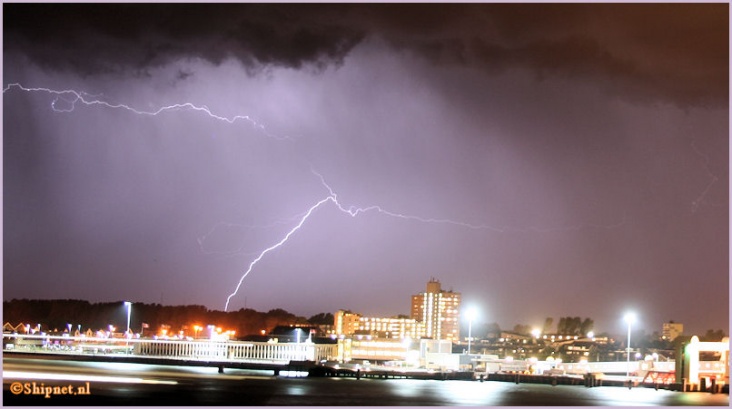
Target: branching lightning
(354,211)
(72,98)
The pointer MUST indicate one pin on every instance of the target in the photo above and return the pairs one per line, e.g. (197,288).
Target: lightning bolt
(72,98)
(297,227)
(223,225)
(354,211)
(713,179)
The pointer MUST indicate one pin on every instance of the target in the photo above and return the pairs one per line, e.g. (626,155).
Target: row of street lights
(129,313)
(471,314)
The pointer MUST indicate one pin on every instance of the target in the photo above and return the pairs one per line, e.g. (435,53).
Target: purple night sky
(543,160)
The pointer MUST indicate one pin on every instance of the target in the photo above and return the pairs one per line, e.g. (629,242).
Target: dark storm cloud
(675,52)
(93,38)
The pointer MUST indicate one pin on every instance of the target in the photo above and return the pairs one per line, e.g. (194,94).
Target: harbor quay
(321,360)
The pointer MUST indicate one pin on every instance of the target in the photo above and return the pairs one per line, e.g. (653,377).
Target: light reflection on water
(296,390)
(504,393)
(191,386)
(457,392)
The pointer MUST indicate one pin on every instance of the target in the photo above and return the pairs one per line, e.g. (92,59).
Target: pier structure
(222,354)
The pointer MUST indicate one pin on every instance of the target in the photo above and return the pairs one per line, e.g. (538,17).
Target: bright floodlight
(629,318)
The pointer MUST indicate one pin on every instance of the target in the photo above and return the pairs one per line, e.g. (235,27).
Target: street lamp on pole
(129,311)
(128,334)
(630,319)
(470,313)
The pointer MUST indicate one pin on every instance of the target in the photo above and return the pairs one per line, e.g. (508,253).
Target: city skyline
(344,322)
(542,160)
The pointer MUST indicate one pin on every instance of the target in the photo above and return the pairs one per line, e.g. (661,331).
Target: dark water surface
(178,386)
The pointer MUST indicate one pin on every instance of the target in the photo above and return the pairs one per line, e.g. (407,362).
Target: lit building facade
(435,314)
(671,330)
(438,311)
(348,323)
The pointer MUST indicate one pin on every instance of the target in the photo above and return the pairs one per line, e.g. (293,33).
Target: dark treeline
(57,314)
(565,326)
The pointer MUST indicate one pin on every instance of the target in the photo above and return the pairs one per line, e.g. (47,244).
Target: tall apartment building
(671,330)
(435,314)
(438,311)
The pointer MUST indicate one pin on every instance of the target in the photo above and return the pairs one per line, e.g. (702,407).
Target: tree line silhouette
(57,315)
